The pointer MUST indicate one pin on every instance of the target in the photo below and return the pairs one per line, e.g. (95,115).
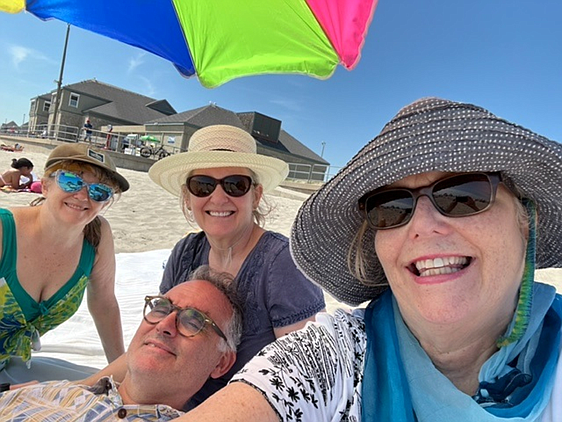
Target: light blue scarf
(401,383)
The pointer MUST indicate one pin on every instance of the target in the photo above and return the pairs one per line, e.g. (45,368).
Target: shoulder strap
(9,241)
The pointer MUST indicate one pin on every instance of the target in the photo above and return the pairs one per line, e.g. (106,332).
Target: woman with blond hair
(50,253)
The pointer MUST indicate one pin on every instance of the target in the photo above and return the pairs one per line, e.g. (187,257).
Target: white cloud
(291,105)
(20,54)
(149,89)
(135,62)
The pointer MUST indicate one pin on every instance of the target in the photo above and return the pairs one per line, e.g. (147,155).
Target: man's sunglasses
(71,182)
(189,321)
(455,196)
(236,185)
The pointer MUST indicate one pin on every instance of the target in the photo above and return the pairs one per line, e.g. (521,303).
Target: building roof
(46,96)
(121,104)
(296,147)
(10,124)
(214,115)
(204,116)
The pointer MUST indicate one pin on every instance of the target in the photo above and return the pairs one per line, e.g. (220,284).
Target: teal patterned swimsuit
(22,319)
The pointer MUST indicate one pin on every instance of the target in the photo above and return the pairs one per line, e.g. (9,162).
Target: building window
(74,99)
(32,107)
(46,106)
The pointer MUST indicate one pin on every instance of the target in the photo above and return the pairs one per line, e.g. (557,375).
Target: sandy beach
(146,223)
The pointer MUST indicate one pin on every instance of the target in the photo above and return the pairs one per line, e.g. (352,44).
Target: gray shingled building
(102,103)
(128,112)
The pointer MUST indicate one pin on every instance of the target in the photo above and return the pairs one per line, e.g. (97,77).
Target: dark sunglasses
(189,321)
(71,182)
(236,185)
(455,196)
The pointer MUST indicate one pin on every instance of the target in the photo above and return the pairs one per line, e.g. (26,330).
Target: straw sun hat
(430,134)
(218,146)
(84,153)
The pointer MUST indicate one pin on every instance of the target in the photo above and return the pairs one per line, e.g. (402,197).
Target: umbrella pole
(59,82)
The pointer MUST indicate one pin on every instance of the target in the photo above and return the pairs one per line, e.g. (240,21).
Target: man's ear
(225,363)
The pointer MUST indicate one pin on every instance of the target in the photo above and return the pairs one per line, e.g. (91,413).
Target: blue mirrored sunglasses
(71,182)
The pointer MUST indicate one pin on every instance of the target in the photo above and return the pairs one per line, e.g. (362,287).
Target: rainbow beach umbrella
(219,40)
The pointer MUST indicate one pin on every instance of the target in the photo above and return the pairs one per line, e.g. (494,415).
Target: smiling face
(166,367)
(220,216)
(464,270)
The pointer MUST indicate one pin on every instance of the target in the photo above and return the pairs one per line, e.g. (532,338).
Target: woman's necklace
(224,255)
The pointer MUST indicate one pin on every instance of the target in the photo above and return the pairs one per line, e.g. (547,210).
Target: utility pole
(59,82)
(323,145)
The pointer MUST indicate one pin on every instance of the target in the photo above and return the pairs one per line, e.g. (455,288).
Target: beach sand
(146,223)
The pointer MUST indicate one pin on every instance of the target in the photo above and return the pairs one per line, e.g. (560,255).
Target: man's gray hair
(226,284)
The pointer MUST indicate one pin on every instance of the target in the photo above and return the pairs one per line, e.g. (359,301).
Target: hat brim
(429,135)
(121,181)
(171,172)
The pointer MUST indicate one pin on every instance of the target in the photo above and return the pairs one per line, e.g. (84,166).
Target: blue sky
(504,56)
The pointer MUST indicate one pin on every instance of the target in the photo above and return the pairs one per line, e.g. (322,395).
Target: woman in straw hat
(441,221)
(221,181)
(50,253)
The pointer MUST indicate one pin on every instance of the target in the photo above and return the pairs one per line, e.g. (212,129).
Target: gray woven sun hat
(430,134)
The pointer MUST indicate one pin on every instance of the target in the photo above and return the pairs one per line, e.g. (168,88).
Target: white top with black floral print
(314,374)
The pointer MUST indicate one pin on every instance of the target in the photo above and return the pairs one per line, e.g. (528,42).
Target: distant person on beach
(109,137)
(187,336)
(439,223)
(11,177)
(52,252)
(88,131)
(15,148)
(221,180)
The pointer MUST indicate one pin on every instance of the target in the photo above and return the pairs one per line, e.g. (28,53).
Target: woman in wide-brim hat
(439,224)
(51,253)
(220,181)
